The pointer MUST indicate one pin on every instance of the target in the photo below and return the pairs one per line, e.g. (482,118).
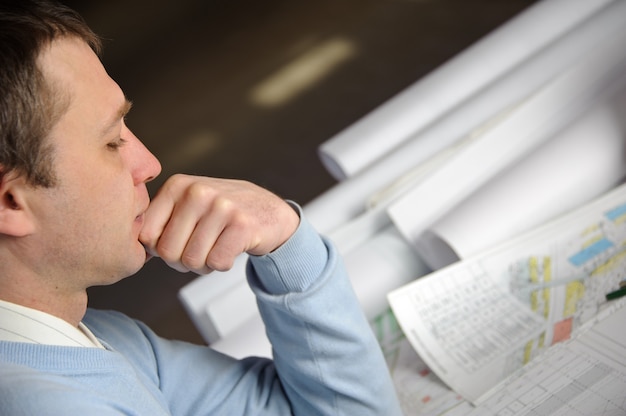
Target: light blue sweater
(327,361)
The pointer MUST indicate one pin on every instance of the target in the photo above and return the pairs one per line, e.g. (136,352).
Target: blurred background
(249,89)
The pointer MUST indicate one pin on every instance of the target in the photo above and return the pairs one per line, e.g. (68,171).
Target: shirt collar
(22,324)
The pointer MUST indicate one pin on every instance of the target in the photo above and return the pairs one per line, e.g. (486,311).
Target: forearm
(326,356)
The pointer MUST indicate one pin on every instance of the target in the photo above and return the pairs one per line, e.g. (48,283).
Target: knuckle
(174,182)
(178,178)
(219,263)
(168,254)
(192,261)
(197,191)
(242,220)
(224,206)
(221,258)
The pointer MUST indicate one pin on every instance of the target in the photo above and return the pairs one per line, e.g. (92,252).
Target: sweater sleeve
(326,357)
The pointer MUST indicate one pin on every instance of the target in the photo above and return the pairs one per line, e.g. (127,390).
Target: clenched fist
(201,224)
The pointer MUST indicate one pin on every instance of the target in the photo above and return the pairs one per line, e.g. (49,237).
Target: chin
(140,260)
(131,265)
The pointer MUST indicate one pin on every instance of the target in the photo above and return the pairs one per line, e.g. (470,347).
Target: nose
(144,165)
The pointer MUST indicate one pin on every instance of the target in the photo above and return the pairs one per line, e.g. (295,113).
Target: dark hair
(30,106)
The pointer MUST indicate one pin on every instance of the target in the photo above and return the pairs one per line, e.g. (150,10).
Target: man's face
(87,224)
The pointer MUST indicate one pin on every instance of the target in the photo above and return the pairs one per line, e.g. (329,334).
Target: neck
(70,307)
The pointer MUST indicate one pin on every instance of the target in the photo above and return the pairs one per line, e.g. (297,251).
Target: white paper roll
(347,199)
(248,340)
(380,265)
(584,161)
(355,148)
(537,120)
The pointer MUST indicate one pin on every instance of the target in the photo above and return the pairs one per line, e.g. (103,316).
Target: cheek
(104,184)
(96,188)
(97,206)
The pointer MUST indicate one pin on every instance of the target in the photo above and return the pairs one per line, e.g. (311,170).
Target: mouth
(141,216)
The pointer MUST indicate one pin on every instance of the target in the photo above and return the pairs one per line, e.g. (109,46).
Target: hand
(201,224)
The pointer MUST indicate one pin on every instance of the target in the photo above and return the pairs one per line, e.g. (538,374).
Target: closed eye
(116,144)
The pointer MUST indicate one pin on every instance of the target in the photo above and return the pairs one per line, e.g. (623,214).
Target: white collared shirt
(21,324)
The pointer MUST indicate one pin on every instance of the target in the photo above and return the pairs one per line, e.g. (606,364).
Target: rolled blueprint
(585,160)
(347,199)
(380,265)
(208,300)
(247,340)
(538,119)
(388,126)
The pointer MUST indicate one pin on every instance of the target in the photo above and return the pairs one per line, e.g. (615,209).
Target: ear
(15,218)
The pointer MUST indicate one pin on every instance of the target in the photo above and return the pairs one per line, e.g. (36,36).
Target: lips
(142,213)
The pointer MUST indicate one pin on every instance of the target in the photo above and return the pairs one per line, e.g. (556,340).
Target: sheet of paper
(419,390)
(582,376)
(481,319)
(463,325)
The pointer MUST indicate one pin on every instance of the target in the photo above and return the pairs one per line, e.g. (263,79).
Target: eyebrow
(119,114)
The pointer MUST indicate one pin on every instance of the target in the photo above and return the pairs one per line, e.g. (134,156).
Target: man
(75,212)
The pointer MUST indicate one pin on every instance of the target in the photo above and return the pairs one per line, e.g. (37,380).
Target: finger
(230,244)
(156,217)
(161,209)
(201,242)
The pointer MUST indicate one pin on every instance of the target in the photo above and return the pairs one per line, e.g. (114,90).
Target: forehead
(71,67)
